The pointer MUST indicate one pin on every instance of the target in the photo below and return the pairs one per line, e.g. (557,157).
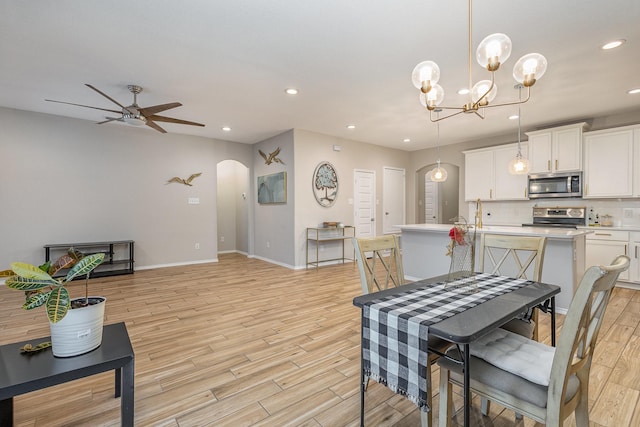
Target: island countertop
(424,253)
(550,232)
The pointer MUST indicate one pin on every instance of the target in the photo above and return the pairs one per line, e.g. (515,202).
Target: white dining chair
(541,382)
(521,257)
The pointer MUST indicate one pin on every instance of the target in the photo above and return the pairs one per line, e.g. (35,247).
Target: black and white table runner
(395,328)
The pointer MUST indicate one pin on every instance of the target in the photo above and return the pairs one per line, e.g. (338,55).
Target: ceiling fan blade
(150,111)
(111,119)
(172,120)
(151,124)
(109,98)
(86,106)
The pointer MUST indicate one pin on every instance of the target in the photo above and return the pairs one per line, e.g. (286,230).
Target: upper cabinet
(487,174)
(556,149)
(608,163)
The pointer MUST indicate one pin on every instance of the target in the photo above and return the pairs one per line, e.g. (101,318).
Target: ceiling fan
(134,114)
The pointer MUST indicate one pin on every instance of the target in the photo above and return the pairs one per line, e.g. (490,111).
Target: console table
(118,254)
(320,235)
(22,373)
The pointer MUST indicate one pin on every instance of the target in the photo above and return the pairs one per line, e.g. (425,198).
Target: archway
(233,202)
(447,194)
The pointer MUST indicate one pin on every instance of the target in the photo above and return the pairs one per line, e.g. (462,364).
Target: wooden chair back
(379,262)
(578,340)
(512,255)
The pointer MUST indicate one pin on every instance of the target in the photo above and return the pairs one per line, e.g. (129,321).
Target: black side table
(21,373)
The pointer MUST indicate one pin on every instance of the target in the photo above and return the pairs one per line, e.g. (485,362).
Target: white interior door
(431,205)
(364,202)
(393,199)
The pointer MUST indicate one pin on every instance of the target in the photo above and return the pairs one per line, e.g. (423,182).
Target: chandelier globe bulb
(480,89)
(529,69)
(493,50)
(425,75)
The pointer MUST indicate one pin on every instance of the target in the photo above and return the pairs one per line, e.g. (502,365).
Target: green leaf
(58,304)
(84,266)
(36,300)
(29,271)
(23,284)
(45,267)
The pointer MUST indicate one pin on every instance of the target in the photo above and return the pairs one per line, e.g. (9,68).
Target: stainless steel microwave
(553,185)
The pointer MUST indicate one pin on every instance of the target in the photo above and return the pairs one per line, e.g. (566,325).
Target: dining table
(397,322)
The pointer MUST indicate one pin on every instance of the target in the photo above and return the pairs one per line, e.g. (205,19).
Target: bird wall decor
(272,157)
(185,181)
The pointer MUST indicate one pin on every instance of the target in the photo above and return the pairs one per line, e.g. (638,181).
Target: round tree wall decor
(325,184)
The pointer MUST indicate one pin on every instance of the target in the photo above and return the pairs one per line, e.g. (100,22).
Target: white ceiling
(229,61)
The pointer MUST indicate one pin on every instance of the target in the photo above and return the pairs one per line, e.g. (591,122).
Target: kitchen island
(424,248)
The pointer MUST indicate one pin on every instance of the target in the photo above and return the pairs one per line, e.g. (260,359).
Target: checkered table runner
(395,328)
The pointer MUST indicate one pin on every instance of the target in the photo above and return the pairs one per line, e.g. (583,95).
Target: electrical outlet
(222,239)
(268,244)
(197,246)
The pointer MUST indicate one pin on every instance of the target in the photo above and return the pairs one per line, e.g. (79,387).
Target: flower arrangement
(458,235)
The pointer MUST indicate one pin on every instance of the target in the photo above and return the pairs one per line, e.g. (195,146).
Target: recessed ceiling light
(351,126)
(513,117)
(614,44)
(291,91)
(634,91)
(226,128)
(406,140)
(463,91)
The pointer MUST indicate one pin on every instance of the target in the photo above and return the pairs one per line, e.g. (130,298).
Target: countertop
(551,232)
(617,228)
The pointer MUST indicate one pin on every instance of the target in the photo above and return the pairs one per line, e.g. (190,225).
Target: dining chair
(541,382)
(514,256)
(380,265)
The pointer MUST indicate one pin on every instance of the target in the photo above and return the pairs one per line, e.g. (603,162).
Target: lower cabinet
(604,245)
(634,254)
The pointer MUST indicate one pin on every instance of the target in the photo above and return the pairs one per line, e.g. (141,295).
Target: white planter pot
(80,331)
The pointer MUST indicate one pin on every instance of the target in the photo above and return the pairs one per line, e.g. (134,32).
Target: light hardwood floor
(246,343)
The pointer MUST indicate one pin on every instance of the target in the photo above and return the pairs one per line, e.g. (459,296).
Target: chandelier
(494,50)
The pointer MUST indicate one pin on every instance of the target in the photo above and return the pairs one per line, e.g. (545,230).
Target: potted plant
(76,324)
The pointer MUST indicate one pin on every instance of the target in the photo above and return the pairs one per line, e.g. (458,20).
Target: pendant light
(493,51)
(519,165)
(439,174)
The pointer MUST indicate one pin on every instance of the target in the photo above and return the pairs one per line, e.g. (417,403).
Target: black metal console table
(20,373)
(118,255)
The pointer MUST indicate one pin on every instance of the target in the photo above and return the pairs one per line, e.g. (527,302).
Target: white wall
(310,149)
(68,180)
(273,232)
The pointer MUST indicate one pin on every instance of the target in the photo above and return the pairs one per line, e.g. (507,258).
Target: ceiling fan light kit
(492,51)
(134,114)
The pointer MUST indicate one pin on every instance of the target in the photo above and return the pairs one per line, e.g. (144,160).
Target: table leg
(118,379)
(553,321)
(362,380)
(465,389)
(126,404)
(6,412)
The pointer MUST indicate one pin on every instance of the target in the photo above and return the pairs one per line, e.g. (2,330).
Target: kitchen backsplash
(625,213)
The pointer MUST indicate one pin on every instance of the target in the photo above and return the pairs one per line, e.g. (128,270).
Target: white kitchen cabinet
(478,175)
(507,186)
(604,245)
(487,174)
(608,163)
(636,161)
(556,149)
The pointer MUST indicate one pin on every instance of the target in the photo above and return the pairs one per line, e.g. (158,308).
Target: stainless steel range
(565,217)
